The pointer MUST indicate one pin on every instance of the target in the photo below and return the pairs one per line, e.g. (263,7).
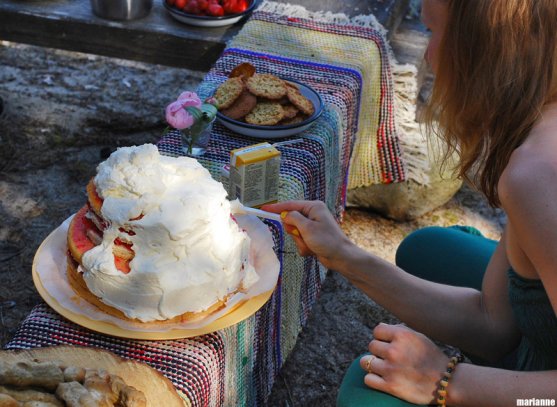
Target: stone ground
(65,112)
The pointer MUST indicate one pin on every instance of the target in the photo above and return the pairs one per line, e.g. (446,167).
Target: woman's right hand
(314,230)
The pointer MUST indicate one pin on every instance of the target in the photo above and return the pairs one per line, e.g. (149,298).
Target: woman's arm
(528,193)
(481,324)
(479,386)
(408,365)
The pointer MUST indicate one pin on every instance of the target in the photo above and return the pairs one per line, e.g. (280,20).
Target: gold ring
(369,362)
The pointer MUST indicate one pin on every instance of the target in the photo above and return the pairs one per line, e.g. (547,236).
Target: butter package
(254,174)
(225,178)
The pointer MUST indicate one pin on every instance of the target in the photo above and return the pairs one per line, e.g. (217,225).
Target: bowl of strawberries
(209,13)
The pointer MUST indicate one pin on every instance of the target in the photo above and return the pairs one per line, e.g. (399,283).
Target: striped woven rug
(354,143)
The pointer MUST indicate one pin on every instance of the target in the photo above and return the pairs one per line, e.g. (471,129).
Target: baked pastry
(156,241)
(266,85)
(266,114)
(299,100)
(229,91)
(100,372)
(46,384)
(241,106)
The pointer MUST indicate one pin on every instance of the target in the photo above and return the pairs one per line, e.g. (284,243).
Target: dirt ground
(63,113)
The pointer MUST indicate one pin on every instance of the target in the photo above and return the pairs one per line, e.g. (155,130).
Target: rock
(408,200)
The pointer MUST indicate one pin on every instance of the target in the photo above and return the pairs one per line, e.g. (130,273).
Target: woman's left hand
(404,363)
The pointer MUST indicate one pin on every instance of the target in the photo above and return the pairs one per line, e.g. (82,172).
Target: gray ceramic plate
(272,132)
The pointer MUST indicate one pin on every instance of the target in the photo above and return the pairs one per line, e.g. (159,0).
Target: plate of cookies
(266,106)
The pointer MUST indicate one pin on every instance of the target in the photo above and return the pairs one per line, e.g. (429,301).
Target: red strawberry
(215,10)
(203,4)
(192,7)
(180,4)
(228,6)
(240,6)
(235,6)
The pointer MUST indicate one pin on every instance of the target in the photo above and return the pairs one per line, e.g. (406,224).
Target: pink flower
(189,99)
(177,116)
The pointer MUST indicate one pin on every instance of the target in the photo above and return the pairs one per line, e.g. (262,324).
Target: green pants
(456,256)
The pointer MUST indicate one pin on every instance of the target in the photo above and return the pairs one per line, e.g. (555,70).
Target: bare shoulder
(531,172)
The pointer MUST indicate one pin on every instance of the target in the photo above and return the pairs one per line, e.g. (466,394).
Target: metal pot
(121,9)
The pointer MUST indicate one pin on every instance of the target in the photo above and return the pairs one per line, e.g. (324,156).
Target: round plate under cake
(51,280)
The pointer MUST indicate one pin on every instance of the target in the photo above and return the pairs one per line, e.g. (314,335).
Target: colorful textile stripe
(377,154)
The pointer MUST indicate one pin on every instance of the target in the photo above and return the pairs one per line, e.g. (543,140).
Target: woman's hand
(404,363)
(314,230)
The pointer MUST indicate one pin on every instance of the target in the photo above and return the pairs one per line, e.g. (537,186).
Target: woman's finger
(385,332)
(296,219)
(373,364)
(379,348)
(375,382)
(303,249)
(300,206)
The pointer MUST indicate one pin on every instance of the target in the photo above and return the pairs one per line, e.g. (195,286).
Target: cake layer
(94,199)
(75,279)
(79,242)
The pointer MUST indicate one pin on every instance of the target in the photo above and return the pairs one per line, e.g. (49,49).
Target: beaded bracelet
(444,382)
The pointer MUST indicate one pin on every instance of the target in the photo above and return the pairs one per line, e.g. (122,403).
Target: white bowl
(208,21)
(272,132)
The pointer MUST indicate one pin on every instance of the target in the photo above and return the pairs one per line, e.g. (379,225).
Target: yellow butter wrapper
(254,174)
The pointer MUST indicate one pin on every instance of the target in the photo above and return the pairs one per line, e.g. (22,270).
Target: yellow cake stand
(49,277)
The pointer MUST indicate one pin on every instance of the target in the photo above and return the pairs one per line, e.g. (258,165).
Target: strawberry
(235,6)
(228,6)
(241,6)
(203,4)
(215,10)
(192,7)
(180,4)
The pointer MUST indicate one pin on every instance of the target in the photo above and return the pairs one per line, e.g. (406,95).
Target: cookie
(299,100)
(290,111)
(228,92)
(300,117)
(267,86)
(245,70)
(265,114)
(241,106)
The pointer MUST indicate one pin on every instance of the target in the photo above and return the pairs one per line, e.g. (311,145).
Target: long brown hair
(497,69)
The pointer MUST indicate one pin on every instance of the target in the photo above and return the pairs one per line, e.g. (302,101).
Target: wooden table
(157,38)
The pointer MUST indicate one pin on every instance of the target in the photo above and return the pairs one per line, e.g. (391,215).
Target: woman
(495,97)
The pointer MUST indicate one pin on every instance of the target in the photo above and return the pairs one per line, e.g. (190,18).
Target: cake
(156,240)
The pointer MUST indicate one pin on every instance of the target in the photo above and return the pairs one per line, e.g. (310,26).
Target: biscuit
(265,114)
(299,100)
(290,111)
(300,117)
(241,106)
(267,86)
(245,70)
(228,92)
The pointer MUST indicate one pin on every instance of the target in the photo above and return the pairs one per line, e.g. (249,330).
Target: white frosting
(189,253)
